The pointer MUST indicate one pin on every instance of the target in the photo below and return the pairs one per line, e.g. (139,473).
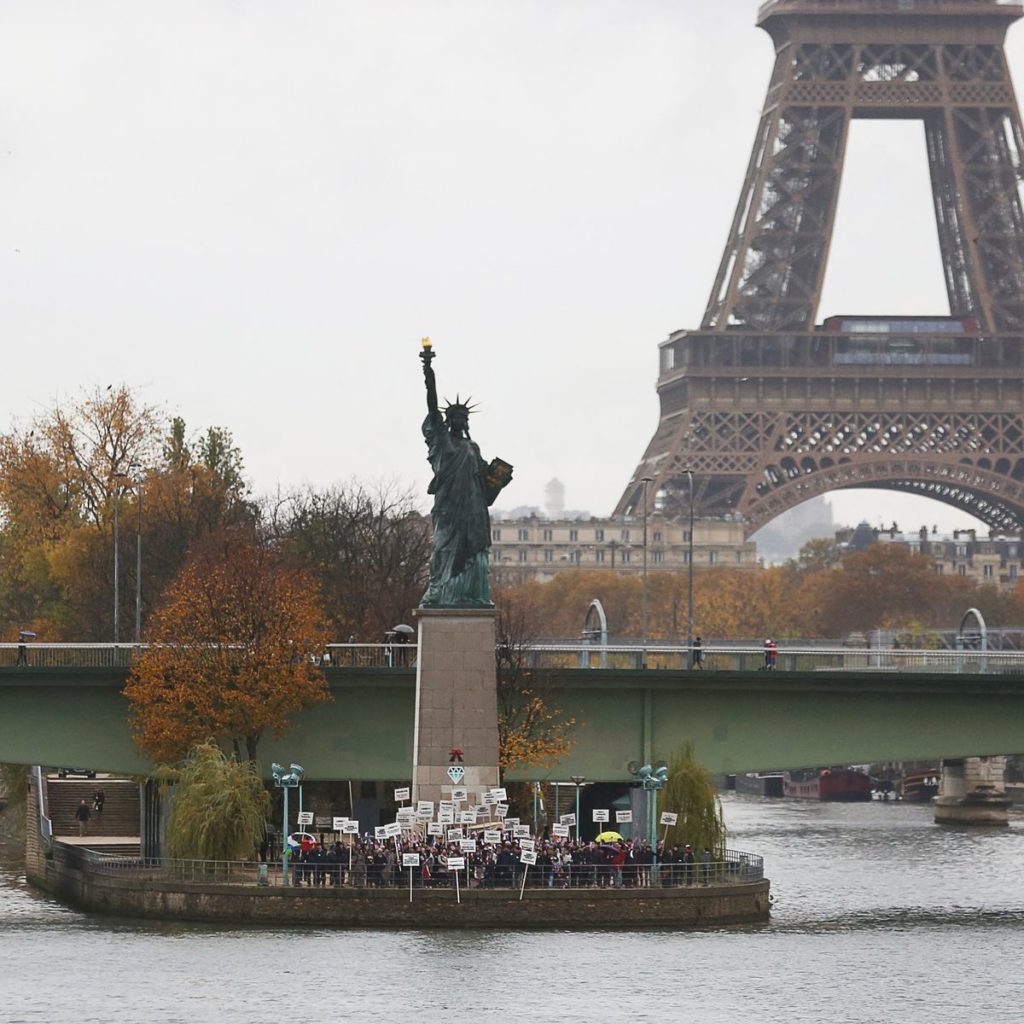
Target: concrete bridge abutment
(972,792)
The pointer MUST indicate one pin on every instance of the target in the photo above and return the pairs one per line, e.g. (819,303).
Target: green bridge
(737,720)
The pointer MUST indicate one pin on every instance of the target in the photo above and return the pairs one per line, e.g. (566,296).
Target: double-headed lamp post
(285,780)
(577,781)
(652,778)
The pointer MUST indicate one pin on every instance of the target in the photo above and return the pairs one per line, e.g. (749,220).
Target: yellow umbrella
(608,837)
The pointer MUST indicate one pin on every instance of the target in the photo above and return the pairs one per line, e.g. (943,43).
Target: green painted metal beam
(737,721)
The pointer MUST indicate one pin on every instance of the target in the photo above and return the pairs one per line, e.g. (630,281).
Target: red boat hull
(829,784)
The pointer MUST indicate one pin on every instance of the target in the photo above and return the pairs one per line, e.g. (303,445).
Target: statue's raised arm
(427,355)
(463,487)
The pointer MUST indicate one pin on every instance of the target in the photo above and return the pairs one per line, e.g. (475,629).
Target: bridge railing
(791,659)
(77,655)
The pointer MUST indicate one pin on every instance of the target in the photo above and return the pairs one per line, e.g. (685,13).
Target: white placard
(339,824)
(405,814)
(392,830)
(446,817)
(456,863)
(458,795)
(467,845)
(425,808)
(410,860)
(492,836)
(527,844)
(500,810)
(467,817)
(455,834)
(403,793)
(560,831)
(435,828)
(379,833)
(490,799)
(500,793)
(511,823)
(623,817)
(600,814)
(528,857)
(668,818)
(521,831)
(305,818)
(567,819)
(351,828)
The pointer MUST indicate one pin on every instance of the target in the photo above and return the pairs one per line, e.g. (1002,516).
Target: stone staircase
(120,819)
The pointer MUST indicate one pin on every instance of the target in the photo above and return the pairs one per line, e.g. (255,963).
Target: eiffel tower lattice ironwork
(760,408)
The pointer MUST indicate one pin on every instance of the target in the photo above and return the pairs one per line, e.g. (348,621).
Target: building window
(739,556)
(625,536)
(574,557)
(987,572)
(939,569)
(523,554)
(524,534)
(574,535)
(686,536)
(961,551)
(599,556)
(657,556)
(625,557)
(599,535)
(1013,572)
(712,557)
(961,570)
(495,534)
(686,558)
(548,535)
(549,555)
(657,536)
(1011,551)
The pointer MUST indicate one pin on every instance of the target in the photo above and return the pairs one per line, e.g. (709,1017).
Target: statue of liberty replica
(464,487)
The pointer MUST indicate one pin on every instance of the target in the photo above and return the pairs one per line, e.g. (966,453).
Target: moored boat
(919,787)
(845,784)
(760,783)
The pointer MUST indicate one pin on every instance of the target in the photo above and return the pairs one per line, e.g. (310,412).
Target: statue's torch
(427,352)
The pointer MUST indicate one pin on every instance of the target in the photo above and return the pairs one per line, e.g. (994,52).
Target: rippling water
(879,916)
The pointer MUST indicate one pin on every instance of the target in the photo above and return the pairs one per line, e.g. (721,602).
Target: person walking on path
(99,798)
(82,815)
(698,653)
(771,653)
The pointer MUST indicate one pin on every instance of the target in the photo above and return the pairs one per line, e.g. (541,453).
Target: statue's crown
(458,406)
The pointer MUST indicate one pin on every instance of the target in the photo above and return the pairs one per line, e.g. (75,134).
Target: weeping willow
(691,794)
(220,807)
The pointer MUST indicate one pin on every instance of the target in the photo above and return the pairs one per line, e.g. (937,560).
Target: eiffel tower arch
(762,408)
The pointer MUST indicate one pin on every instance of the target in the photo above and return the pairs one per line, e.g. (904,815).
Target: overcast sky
(252,210)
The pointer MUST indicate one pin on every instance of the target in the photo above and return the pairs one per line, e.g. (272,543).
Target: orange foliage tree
(532,730)
(230,653)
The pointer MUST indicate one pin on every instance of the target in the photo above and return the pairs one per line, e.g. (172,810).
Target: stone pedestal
(972,792)
(456,701)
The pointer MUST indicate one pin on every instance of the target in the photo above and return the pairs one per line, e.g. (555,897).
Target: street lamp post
(138,564)
(652,779)
(643,653)
(577,781)
(117,562)
(286,781)
(689,578)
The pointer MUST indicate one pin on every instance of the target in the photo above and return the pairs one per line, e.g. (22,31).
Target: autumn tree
(230,655)
(690,794)
(367,547)
(532,730)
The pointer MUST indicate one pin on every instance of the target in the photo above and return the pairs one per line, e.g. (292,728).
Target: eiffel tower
(761,409)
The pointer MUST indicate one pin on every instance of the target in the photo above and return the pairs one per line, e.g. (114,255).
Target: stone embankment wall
(696,906)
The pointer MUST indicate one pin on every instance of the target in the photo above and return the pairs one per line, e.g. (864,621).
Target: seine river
(879,916)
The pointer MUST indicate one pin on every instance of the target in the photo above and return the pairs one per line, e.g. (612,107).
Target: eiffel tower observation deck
(763,407)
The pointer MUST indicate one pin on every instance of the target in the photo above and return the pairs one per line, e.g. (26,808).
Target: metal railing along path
(480,872)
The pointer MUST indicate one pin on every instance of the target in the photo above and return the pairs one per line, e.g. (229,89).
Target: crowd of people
(565,864)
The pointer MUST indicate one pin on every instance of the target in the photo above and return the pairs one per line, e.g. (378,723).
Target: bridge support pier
(972,792)
(456,701)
